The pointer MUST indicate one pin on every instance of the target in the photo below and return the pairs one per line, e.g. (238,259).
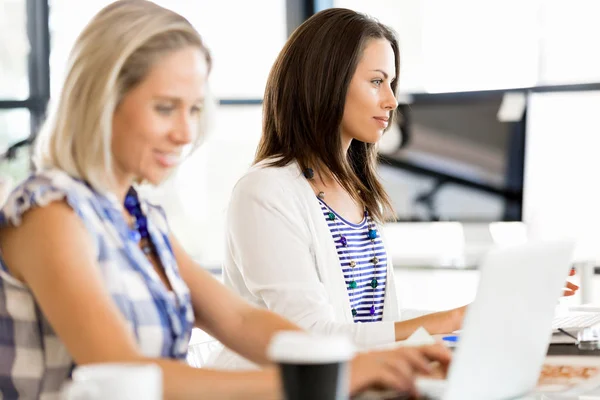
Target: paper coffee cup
(312,366)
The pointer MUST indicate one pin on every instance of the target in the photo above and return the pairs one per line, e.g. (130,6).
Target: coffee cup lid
(306,348)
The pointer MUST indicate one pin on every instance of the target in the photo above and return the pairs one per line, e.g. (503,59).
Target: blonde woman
(89,271)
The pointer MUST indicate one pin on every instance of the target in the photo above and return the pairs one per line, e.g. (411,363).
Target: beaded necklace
(177,309)
(371,235)
(139,232)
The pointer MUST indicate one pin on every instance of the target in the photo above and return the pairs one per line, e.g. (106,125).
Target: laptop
(507,328)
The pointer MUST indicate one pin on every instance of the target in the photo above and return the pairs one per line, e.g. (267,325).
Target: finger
(572,271)
(567,293)
(437,352)
(403,366)
(397,374)
(417,360)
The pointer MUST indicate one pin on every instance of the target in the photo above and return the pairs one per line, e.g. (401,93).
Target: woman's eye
(196,110)
(164,110)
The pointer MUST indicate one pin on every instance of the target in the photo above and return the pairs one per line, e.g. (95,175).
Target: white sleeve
(270,241)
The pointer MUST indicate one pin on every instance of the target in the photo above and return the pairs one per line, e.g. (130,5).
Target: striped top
(360,249)
(34,363)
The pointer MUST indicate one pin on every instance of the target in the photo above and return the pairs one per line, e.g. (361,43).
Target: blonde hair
(111,56)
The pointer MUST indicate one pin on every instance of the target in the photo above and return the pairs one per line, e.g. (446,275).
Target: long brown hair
(304,103)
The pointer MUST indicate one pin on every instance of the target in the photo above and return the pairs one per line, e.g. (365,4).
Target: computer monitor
(458,161)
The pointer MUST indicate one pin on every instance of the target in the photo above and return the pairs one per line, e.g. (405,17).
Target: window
(460,45)
(14,127)
(243,47)
(64,29)
(22,91)
(14,50)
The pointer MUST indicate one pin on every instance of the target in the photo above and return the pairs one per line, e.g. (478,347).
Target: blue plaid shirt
(34,363)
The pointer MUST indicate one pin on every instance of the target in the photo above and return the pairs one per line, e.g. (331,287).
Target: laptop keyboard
(575,321)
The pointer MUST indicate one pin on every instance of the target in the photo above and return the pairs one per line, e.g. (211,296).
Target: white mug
(115,381)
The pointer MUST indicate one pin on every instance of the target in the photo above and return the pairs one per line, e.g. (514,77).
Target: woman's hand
(435,323)
(395,369)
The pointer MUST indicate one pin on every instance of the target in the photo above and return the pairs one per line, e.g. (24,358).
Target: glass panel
(243,47)
(14,50)
(14,126)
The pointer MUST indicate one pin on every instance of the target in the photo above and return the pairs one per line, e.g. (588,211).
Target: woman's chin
(371,139)
(154,179)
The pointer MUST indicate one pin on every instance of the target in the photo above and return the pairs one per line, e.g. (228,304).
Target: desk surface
(570,350)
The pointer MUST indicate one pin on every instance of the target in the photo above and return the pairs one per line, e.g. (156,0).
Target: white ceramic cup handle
(81,391)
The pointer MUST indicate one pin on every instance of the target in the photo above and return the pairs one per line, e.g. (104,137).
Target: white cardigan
(280,255)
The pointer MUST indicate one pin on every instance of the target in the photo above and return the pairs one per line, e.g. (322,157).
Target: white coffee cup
(115,381)
(312,366)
